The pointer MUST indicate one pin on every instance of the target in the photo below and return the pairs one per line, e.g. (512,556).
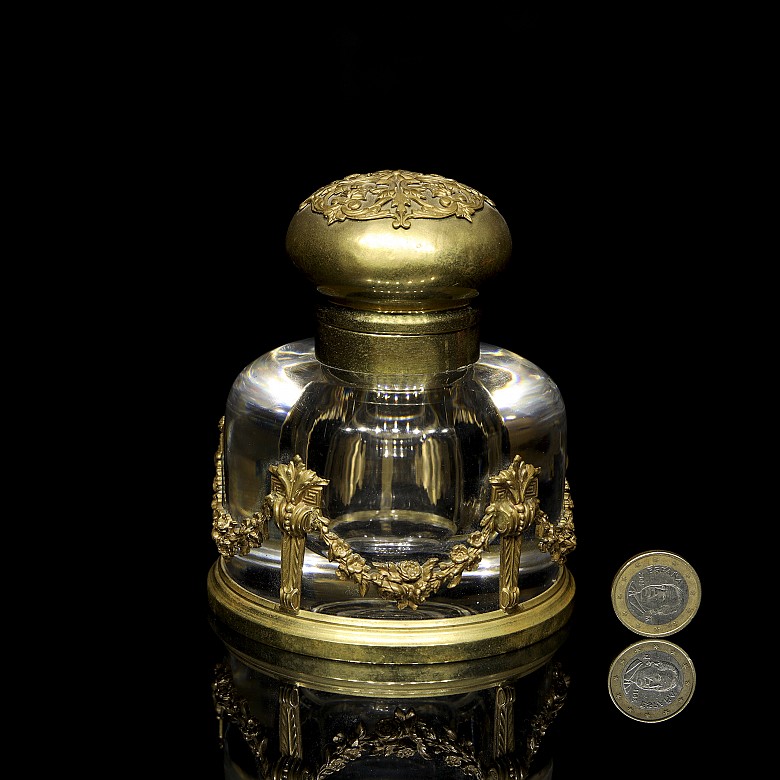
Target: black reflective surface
(587,732)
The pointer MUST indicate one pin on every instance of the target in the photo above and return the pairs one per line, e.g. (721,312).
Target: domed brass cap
(396,241)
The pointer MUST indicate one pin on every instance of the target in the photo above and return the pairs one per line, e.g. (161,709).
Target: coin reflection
(652,680)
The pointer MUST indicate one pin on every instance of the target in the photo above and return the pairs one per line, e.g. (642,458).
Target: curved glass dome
(407,464)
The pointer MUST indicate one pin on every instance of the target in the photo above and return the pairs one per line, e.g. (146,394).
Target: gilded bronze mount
(295,504)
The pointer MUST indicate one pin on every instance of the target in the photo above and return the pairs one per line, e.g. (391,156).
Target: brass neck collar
(397,343)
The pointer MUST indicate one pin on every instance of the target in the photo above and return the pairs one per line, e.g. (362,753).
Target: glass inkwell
(392,492)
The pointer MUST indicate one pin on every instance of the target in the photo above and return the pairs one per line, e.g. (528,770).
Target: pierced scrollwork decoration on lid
(294,503)
(395,194)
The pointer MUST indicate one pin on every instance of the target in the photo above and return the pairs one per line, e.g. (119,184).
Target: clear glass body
(408,462)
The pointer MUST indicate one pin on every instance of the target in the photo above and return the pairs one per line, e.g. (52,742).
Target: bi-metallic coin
(656,593)
(652,680)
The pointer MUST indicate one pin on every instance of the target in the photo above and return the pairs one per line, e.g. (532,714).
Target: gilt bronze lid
(395,240)
(398,256)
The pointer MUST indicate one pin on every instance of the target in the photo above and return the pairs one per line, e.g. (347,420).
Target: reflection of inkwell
(646,674)
(490,723)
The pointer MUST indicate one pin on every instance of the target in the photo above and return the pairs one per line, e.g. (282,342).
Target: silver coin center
(657,595)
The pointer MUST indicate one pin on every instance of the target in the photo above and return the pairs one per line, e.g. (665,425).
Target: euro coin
(652,680)
(656,593)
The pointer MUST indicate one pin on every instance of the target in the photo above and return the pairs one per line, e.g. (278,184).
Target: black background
(600,140)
